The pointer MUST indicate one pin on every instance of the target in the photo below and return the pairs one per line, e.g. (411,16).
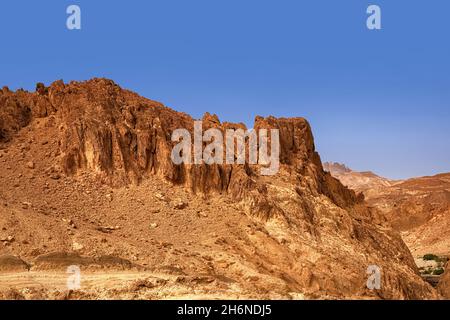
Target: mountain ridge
(86,169)
(419,207)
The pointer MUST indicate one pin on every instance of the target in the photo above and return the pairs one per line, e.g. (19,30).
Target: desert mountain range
(86,179)
(419,208)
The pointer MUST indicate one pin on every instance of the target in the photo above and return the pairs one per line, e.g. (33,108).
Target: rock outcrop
(444,283)
(299,231)
(125,138)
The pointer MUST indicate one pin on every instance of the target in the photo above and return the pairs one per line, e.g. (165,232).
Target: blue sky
(377,100)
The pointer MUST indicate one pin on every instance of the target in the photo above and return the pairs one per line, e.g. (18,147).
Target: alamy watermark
(374,280)
(73,22)
(374,20)
(230,149)
(74,278)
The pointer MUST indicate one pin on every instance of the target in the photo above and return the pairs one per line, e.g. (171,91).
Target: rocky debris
(444,283)
(153,225)
(55,176)
(77,246)
(7,240)
(180,205)
(26,205)
(160,197)
(107,229)
(201,214)
(148,283)
(70,223)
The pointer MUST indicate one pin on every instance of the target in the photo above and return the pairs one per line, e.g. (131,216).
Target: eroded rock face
(15,113)
(318,236)
(444,283)
(418,207)
(125,138)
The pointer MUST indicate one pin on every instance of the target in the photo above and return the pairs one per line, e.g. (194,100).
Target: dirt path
(58,280)
(116,285)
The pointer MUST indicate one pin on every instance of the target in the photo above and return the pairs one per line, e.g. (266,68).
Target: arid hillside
(444,283)
(418,207)
(366,182)
(86,179)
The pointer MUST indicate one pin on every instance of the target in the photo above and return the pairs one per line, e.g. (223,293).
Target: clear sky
(377,100)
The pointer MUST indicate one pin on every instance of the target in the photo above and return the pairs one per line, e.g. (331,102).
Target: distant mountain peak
(336,167)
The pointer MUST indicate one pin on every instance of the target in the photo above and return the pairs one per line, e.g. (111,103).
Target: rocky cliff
(444,283)
(74,151)
(125,138)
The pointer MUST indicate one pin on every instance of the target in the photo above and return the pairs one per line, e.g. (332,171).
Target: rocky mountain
(444,283)
(87,180)
(365,182)
(418,207)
